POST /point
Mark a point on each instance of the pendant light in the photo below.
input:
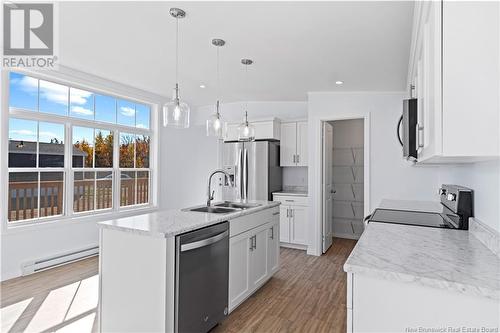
(246, 131)
(215, 126)
(176, 112)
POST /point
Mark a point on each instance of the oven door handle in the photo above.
(204, 242)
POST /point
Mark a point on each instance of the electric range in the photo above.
(456, 202)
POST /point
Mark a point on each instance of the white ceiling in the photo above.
(297, 46)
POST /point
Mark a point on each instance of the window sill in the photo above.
(75, 219)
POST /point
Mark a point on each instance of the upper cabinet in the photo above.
(454, 69)
(264, 130)
(293, 145)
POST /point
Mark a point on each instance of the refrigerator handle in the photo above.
(239, 174)
(245, 174)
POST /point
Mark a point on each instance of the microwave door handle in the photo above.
(398, 131)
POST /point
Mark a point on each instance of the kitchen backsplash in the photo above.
(295, 178)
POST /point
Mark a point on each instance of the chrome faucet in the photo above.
(210, 194)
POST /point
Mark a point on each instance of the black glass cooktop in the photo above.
(424, 219)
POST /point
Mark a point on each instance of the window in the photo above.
(74, 151)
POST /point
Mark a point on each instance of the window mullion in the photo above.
(68, 164)
(116, 170)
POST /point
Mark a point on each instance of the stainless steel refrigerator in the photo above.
(254, 168)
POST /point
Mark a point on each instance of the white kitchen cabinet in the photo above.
(288, 144)
(454, 68)
(302, 150)
(273, 248)
(284, 223)
(298, 223)
(381, 305)
(253, 257)
(293, 144)
(239, 269)
(264, 130)
(293, 220)
(258, 256)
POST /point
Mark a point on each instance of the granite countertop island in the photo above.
(169, 223)
(442, 258)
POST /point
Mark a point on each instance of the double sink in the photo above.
(225, 207)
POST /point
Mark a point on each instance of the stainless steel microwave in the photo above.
(407, 129)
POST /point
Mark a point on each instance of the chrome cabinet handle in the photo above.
(255, 242)
(298, 158)
(276, 213)
(294, 160)
(288, 212)
(251, 243)
(272, 232)
(291, 212)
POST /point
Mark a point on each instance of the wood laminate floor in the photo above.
(308, 294)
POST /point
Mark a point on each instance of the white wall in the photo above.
(390, 176)
(186, 158)
(484, 179)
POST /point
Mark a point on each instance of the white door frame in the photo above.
(366, 171)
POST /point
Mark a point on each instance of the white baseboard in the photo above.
(293, 246)
(348, 236)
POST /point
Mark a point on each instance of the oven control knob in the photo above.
(451, 197)
(442, 191)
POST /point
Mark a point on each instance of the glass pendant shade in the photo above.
(215, 125)
(176, 112)
(246, 131)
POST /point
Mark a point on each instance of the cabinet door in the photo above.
(302, 143)
(288, 144)
(258, 258)
(273, 248)
(298, 224)
(429, 115)
(284, 224)
(239, 269)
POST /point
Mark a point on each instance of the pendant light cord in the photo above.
(177, 50)
(218, 80)
(246, 88)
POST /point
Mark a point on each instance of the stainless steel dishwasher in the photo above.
(201, 278)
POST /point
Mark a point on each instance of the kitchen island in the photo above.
(137, 262)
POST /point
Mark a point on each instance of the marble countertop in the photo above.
(292, 193)
(442, 258)
(168, 223)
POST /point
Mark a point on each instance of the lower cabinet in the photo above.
(376, 304)
(293, 220)
(253, 259)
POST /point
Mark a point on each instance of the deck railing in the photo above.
(23, 196)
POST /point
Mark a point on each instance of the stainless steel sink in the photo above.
(237, 205)
(213, 210)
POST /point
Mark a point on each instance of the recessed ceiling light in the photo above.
(339, 82)
(202, 86)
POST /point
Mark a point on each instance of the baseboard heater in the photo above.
(58, 260)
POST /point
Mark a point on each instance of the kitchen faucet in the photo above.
(211, 194)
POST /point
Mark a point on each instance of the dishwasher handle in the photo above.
(204, 242)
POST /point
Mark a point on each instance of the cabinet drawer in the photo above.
(248, 222)
(292, 200)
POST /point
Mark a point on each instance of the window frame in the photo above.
(68, 171)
